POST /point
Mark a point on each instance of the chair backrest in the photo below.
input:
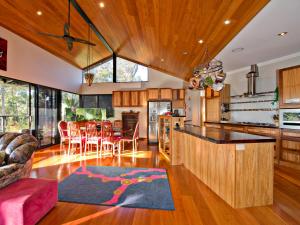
(118, 124)
(74, 129)
(136, 131)
(63, 128)
(106, 129)
(91, 129)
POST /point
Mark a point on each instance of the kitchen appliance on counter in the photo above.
(155, 109)
(289, 118)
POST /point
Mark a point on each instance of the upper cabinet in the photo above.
(153, 94)
(166, 93)
(126, 100)
(117, 98)
(143, 98)
(289, 87)
(134, 98)
(139, 98)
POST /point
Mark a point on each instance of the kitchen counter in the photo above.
(237, 166)
(221, 136)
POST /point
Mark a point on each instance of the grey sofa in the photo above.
(19, 149)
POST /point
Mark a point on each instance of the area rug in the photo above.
(116, 186)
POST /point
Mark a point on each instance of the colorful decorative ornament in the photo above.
(208, 74)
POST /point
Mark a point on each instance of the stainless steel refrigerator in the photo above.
(155, 109)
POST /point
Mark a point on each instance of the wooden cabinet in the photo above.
(143, 98)
(166, 94)
(214, 103)
(289, 87)
(213, 110)
(153, 94)
(129, 121)
(181, 94)
(210, 93)
(165, 130)
(134, 98)
(117, 98)
(126, 98)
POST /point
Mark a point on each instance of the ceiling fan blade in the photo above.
(69, 44)
(50, 35)
(66, 29)
(83, 41)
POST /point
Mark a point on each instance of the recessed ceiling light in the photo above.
(282, 34)
(185, 53)
(39, 13)
(226, 22)
(200, 41)
(101, 4)
(237, 50)
(162, 60)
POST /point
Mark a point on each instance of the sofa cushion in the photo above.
(21, 148)
(9, 169)
(6, 139)
(2, 157)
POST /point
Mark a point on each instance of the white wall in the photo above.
(193, 107)
(265, 82)
(31, 63)
(156, 80)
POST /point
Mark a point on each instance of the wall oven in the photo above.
(289, 118)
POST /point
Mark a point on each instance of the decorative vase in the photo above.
(89, 78)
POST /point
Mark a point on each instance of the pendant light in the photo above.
(89, 76)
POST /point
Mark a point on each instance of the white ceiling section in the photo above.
(259, 38)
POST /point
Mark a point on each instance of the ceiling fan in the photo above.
(67, 37)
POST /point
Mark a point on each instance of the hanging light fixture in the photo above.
(208, 74)
(89, 76)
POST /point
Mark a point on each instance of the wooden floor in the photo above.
(194, 202)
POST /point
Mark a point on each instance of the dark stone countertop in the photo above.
(245, 124)
(221, 136)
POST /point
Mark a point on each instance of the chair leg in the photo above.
(97, 149)
(101, 149)
(69, 149)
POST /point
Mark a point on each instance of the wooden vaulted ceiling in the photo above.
(145, 31)
(20, 17)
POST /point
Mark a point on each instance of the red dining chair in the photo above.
(93, 137)
(63, 132)
(108, 139)
(75, 136)
(132, 139)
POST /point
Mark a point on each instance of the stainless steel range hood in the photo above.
(251, 79)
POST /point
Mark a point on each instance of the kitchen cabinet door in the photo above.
(134, 98)
(153, 94)
(166, 93)
(143, 98)
(117, 98)
(289, 87)
(181, 94)
(125, 98)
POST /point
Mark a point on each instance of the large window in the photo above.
(128, 71)
(69, 101)
(98, 101)
(103, 72)
(14, 106)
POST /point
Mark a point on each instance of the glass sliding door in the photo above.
(47, 116)
(15, 114)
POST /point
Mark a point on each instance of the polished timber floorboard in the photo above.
(195, 203)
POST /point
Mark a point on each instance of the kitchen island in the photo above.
(238, 167)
